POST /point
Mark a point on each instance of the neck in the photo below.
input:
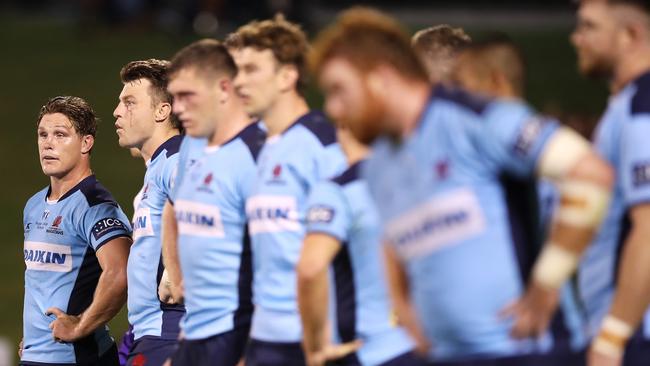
(287, 109)
(152, 144)
(59, 186)
(629, 68)
(354, 151)
(235, 120)
(408, 102)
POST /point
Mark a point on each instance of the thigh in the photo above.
(109, 358)
(151, 352)
(637, 353)
(261, 353)
(224, 349)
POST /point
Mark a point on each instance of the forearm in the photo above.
(109, 297)
(170, 245)
(632, 295)
(312, 301)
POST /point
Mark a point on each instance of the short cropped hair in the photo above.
(368, 38)
(156, 72)
(438, 39)
(640, 4)
(206, 55)
(78, 111)
(498, 52)
(286, 40)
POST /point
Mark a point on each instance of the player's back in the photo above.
(342, 208)
(455, 223)
(289, 165)
(61, 241)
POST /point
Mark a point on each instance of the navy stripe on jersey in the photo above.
(172, 313)
(317, 123)
(641, 100)
(350, 175)
(172, 145)
(244, 311)
(94, 191)
(345, 295)
(85, 349)
(254, 137)
(473, 102)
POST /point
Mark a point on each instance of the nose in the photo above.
(117, 113)
(332, 108)
(575, 38)
(177, 106)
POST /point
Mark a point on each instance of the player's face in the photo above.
(60, 147)
(135, 114)
(196, 101)
(258, 79)
(349, 100)
(595, 39)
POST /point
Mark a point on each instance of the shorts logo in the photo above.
(641, 174)
(106, 226)
(198, 219)
(441, 222)
(47, 257)
(142, 225)
(320, 214)
(528, 135)
(272, 214)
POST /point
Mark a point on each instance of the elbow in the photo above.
(595, 169)
(308, 273)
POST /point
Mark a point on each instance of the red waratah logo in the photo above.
(57, 221)
(207, 180)
(139, 360)
(277, 171)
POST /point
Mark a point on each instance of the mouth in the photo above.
(49, 158)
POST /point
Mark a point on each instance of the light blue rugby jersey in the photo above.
(61, 241)
(213, 243)
(148, 315)
(450, 197)
(343, 209)
(289, 166)
(621, 138)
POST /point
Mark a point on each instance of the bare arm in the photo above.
(399, 290)
(108, 299)
(172, 284)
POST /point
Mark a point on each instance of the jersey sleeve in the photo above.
(634, 170)
(103, 223)
(512, 136)
(331, 162)
(168, 176)
(328, 211)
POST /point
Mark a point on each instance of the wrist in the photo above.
(613, 336)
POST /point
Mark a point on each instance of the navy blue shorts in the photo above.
(225, 349)
(406, 359)
(637, 353)
(563, 359)
(151, 351)
(260, 353)
(109, 358)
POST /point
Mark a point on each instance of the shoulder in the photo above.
(640, 102)
(319, 126)
(169, 147)
(95, 193)
(461, 99)
(36, 199)
(351, 174)
(253, 137)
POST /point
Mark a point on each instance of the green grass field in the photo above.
(42, 58)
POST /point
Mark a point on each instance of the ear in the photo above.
(289, 76)
(375, 82)
(87, 143)
(163, 111)
(225, 87)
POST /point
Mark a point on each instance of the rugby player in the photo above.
(144, 121)
(343, 232)
(209, 202)
(612, 39)
(438, 46)
(460, 277)
(300, 150)
(76, 247)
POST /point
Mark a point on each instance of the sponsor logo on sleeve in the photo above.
(320, 214)
(272, 214)
(528, 134)
(641, 174)
(47, 257)
(441, 222)
(198, 219)
(106, 226)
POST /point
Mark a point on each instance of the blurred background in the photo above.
(78, 47)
